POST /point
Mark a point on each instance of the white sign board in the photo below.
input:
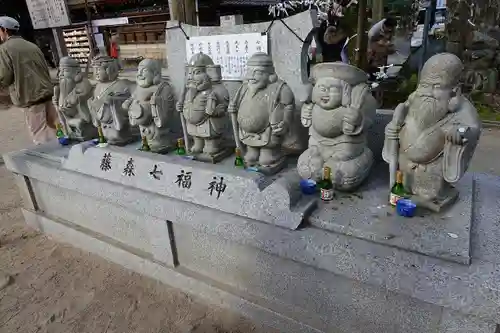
(231, 52)
(110, 22)
(48, 13)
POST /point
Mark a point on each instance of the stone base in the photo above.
(449, 198)
(270, 169)
(359, 268)
(214, 158)
(367, 214)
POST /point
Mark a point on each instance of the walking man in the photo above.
(24, 71)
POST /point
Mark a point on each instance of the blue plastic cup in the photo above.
(406, 208)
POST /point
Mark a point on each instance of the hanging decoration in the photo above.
(337, 7)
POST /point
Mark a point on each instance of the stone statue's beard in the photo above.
(255, 87)
(427, 111)
(66, 86)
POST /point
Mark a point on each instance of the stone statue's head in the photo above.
(105, 68)
(260, 71)
(148, 73)
(438, 84)
(333, 83)
(197, 74)
(69, 69)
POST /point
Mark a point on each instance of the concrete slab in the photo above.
(366, 214)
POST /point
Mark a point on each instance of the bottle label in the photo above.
(394, 199)
(327, 195)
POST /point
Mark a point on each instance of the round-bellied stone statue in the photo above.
(433, 135)
(203, 108)
(70, 99)
(338, 113)
(109, 94)
(262, 114)
(152, 106)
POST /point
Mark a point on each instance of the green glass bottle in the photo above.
(145, 144)
(101, 138)
(398, 190)
(326, 185)
(238, 160)
(181, 149)
(59, 131)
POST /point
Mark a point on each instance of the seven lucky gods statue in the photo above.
(152, 106)
(203, 108)
(70, 99)
(338, 112)
(106, 104)
(433, 135)
(262, 114)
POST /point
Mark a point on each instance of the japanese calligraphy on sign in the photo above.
(129, 168)
(231, 52)
(48, 13)
(106, 162)
(217, 186)
(184, 180)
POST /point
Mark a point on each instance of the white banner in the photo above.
(48, 13)
(231, 52)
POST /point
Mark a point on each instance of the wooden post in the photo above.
(377, 11)
(183, 11)
(361, 40)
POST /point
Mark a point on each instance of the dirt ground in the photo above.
(54, 288)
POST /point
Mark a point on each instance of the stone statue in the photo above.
(70, 99)
(262, 114)
(151, 106)
(203, 108)
(339, 111)
(106, 104)
(433, 135)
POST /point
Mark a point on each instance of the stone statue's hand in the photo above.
(126, 105)
(306, 115)
(455, 103)
(71, 100)
(353, 118)
(179, 106)
(279, 128)
(456, 135)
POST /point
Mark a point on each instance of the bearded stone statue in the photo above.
(107, 102)
(151, 106)
(70, 99)
(203, 109)
(338, 113)
(262, 113)
(433, 135)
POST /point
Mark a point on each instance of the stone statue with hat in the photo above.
(203, 108)
(70, 99)
(338, 113)
(109, 94)
(433, 135)
(152, 106)
(262, 114)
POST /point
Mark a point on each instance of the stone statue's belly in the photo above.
(194, 112)
(421, 147)
(253, 115)
(327, 123)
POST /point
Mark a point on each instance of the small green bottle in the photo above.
(326, 185)
(398, 190)
(238, 161)
(145, 145)
(181, 149)
(59, 132)
(101, 138)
